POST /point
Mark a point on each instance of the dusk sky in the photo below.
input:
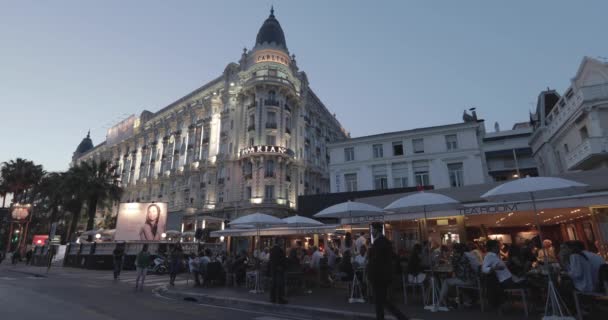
(69, 66)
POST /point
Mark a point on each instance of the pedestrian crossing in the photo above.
(126, 277)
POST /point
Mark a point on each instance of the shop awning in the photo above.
(279, 231)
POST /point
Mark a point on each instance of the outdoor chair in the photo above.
(522, 292)
(412, 281)
(593, 295)
(476, 287)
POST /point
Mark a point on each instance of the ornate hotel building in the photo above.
(253, 139)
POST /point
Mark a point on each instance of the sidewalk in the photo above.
(330, 303)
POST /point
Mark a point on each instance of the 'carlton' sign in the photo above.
(266, 150)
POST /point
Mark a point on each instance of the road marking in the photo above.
(8, 278)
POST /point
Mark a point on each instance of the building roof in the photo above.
(415, 131)
(85, 145)
(271, 32)
(472, 194)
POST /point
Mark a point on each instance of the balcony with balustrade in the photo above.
(591, 151)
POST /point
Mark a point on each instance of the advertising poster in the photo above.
(141, 221)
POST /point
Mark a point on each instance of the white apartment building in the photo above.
(571, 130)
(442, 156)
(507, 153)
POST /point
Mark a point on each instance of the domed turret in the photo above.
(271, 32)
(85, 145)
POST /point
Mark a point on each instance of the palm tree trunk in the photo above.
(91, 210)
(74, 223)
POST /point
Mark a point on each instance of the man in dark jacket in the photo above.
(379, 272)
(276, 267)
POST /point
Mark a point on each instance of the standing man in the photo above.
(118, 255)
(379, 272)
(361, 241)
(142, 261)
(276, 268)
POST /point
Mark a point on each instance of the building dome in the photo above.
(271, 32)
(85, 145)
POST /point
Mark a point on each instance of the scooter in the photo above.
(159, 265)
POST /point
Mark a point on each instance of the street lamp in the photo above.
(163, 235)
(98, 236)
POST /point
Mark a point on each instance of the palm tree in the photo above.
(101, 187)
(3, 191)
(50, 193)
(20, 176)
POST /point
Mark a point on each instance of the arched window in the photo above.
(271, 95)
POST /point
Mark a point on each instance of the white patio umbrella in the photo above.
(423, 202)
(350, 209)
(299, 221)
(258, 220)
(532, 188)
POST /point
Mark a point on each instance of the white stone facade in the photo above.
(442, 156)
(571, 131)
(253, 139)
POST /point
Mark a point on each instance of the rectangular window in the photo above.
(220, 197)
(421, 172)
(378, 151)
(271, 120)
(269, 192)
(397, 148)
(271, 140)
(349, 154)
(418, 145)
(269, 168)
(399, 171)
(350, 181)
(248, 193)
(566, 148)
(451, 142)
(380, 177)
(251, 142)
(455, 172)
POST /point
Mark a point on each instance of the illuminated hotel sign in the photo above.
(268, 55)
(266, 150)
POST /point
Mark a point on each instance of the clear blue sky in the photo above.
(67, 66)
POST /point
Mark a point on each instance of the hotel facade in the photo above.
(253, 139)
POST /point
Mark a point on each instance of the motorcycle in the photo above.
(159, 265)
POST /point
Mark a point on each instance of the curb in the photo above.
(40, 275)
(313, 312)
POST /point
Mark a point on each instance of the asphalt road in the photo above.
(95, 296)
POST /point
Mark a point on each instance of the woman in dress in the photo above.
(149, 231)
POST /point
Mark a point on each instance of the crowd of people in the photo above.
(500, 266)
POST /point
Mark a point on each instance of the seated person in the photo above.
(463, 272)
(493, 264)
(414, 265)
(360, 259)
(515, 262)
(584, 267)
(345, 268)
(549, 250)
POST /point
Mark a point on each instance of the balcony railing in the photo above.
(271, 125)
(288, 108)
(576, 158)
(269, 102)
(288, 130)
(251, 128)
(248, 176)
(251, 106)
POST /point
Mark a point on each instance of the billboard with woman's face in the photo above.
(141, 221)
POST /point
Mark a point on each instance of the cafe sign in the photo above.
(499, 208)
(264, 149)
